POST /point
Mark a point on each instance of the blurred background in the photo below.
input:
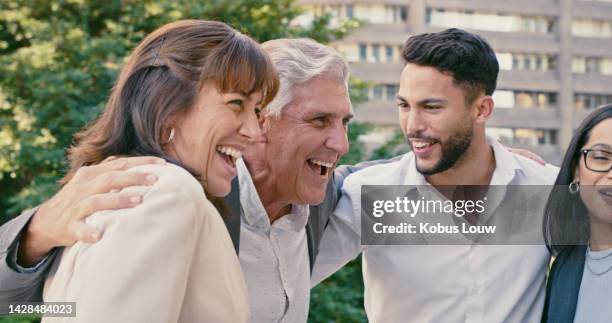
(59, 59)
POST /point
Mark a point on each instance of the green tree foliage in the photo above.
(340, 297)
(395, 146)
(357, 91)
(20, 319)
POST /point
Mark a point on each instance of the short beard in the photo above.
(452, 150)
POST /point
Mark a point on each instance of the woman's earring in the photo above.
(171, 136)
(574, 187)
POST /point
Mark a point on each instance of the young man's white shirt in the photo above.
(439, 283)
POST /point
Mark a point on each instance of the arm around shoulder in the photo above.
(341, 241)
(138, 271)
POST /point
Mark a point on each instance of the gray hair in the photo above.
(298, 61)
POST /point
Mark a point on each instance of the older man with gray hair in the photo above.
(275, 232)
(290, 168)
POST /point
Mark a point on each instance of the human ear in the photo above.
(576, 176)
(262, 119)
(484, 108)
(264, 125)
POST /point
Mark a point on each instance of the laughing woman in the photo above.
(578, 227)
(189, 93)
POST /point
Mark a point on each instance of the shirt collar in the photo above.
(253, 211)
(506, 165)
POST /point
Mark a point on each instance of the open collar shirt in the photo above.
(439, 283)
(273, 257)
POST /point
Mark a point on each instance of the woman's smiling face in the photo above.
(214, 132)
(596, 179)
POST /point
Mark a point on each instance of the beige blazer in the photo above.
(169, 259)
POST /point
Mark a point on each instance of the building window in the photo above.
(363, 52)
(527, 62)
(525, 136)
(528, 99)
(404, 13)
(592, 65)
(389, 52)
(538, 63)
(519, 62)
(551, 61)
(532, 62)
(515, 63)
(503, 99)
(349, 11)
(391, 92)
(547, 99)
(384, 92)
(584, 101)
(504, 60)
(606, 66)
(535, 137)
(376, 52)
(592, 28)
(489, 21)
(505, 135)
(377, 93)
(400, 13)
(336, 9)
(579, 65)
(524, 99)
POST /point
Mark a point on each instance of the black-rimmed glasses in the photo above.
(597, 160)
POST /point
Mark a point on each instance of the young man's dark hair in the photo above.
(466, 56)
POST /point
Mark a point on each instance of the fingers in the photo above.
(111, 175)
(107, 201)
(536, 158)
(109, 158)
(531, 155)
(117, 180)
(85, 233)
(112, 163)
(123, 163)
(88, 192)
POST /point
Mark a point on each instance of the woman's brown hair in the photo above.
(161, 80)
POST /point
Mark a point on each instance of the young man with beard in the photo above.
(444, 101)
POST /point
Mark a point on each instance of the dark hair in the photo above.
(565, 217)
(467, 57)
(161, 80)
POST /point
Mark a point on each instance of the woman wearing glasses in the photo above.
(578, 227)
